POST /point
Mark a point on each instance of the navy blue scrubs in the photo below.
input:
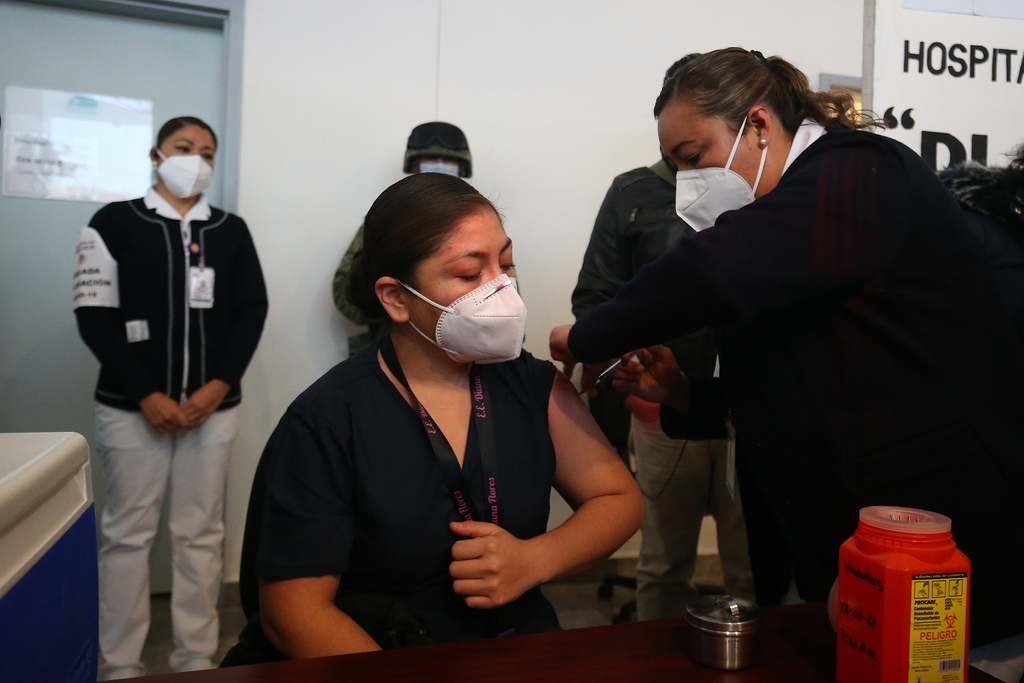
(353, 487)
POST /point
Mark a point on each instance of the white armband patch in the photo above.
(95, 272)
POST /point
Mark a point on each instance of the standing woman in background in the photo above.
(865, 357)
(169, 296)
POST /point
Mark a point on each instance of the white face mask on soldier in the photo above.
(486, 325)
(440, 166)
(185, 175)
(704, 194)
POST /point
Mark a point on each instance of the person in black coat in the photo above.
(993, 203)
(865, 359)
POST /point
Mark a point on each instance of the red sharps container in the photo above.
(903, 600)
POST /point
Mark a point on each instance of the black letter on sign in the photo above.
(979, 149)
(977, 50)
(908, 55)
(957, 60)
(930, 141)
(1009, 54)
(890, 120)
(942, 64)
(1020, 74)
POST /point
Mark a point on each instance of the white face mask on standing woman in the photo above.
(486, 325)
(185, 175)
(704, 194)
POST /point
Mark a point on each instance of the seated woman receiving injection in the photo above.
(420, 469)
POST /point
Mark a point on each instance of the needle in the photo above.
(607, 373)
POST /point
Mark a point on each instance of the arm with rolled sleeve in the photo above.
(307, 534)
(249, 304)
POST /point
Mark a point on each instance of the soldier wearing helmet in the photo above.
(434, 147)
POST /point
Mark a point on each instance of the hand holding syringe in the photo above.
(606, 375)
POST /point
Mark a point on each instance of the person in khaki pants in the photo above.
(681, 481)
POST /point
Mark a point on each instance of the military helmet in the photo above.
(438, 139)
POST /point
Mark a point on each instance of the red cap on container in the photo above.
(905, 519)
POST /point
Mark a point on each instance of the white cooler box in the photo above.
(49, 602)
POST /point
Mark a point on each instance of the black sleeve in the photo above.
(709, 409)
(606, 264)
(830, 227)
(249, 303)
(102, 328)
(542, 381)
(308, 516)
(103, 332)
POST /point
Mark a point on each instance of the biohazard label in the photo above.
(938, 628)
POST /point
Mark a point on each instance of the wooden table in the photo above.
(797, 646)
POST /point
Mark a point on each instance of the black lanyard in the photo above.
(450, 468)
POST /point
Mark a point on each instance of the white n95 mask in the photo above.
(485, 326)
(704, 194)
(185, 175)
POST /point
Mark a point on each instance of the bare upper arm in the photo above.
(587, 465)
(286, 602)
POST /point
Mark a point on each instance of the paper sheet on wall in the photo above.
(75, 146)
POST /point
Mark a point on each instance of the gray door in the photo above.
(47, 375)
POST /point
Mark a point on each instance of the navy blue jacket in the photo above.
(151, 280)
(865, 359)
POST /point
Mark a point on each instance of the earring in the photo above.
(763, 143)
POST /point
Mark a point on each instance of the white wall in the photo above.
(554, 96)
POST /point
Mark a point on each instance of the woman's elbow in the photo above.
(285, 616)
(275, 628)
(633, 507)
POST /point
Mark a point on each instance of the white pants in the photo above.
(681, 482)
(137, 463)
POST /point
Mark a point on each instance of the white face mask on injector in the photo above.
(704, 194)
(185, 175)
(485, 326)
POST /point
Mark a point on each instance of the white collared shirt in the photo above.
(809, 131)
(199, 212)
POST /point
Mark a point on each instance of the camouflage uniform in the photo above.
(434, 135)
(376, 327)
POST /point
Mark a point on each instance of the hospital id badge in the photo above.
(200, 287)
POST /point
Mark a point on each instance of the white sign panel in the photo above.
(950, 84)
(74, 146)
(1008, 9)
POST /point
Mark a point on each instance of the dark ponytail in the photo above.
(727, 83)
(409, 222)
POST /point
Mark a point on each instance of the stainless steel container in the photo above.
(723, 631)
